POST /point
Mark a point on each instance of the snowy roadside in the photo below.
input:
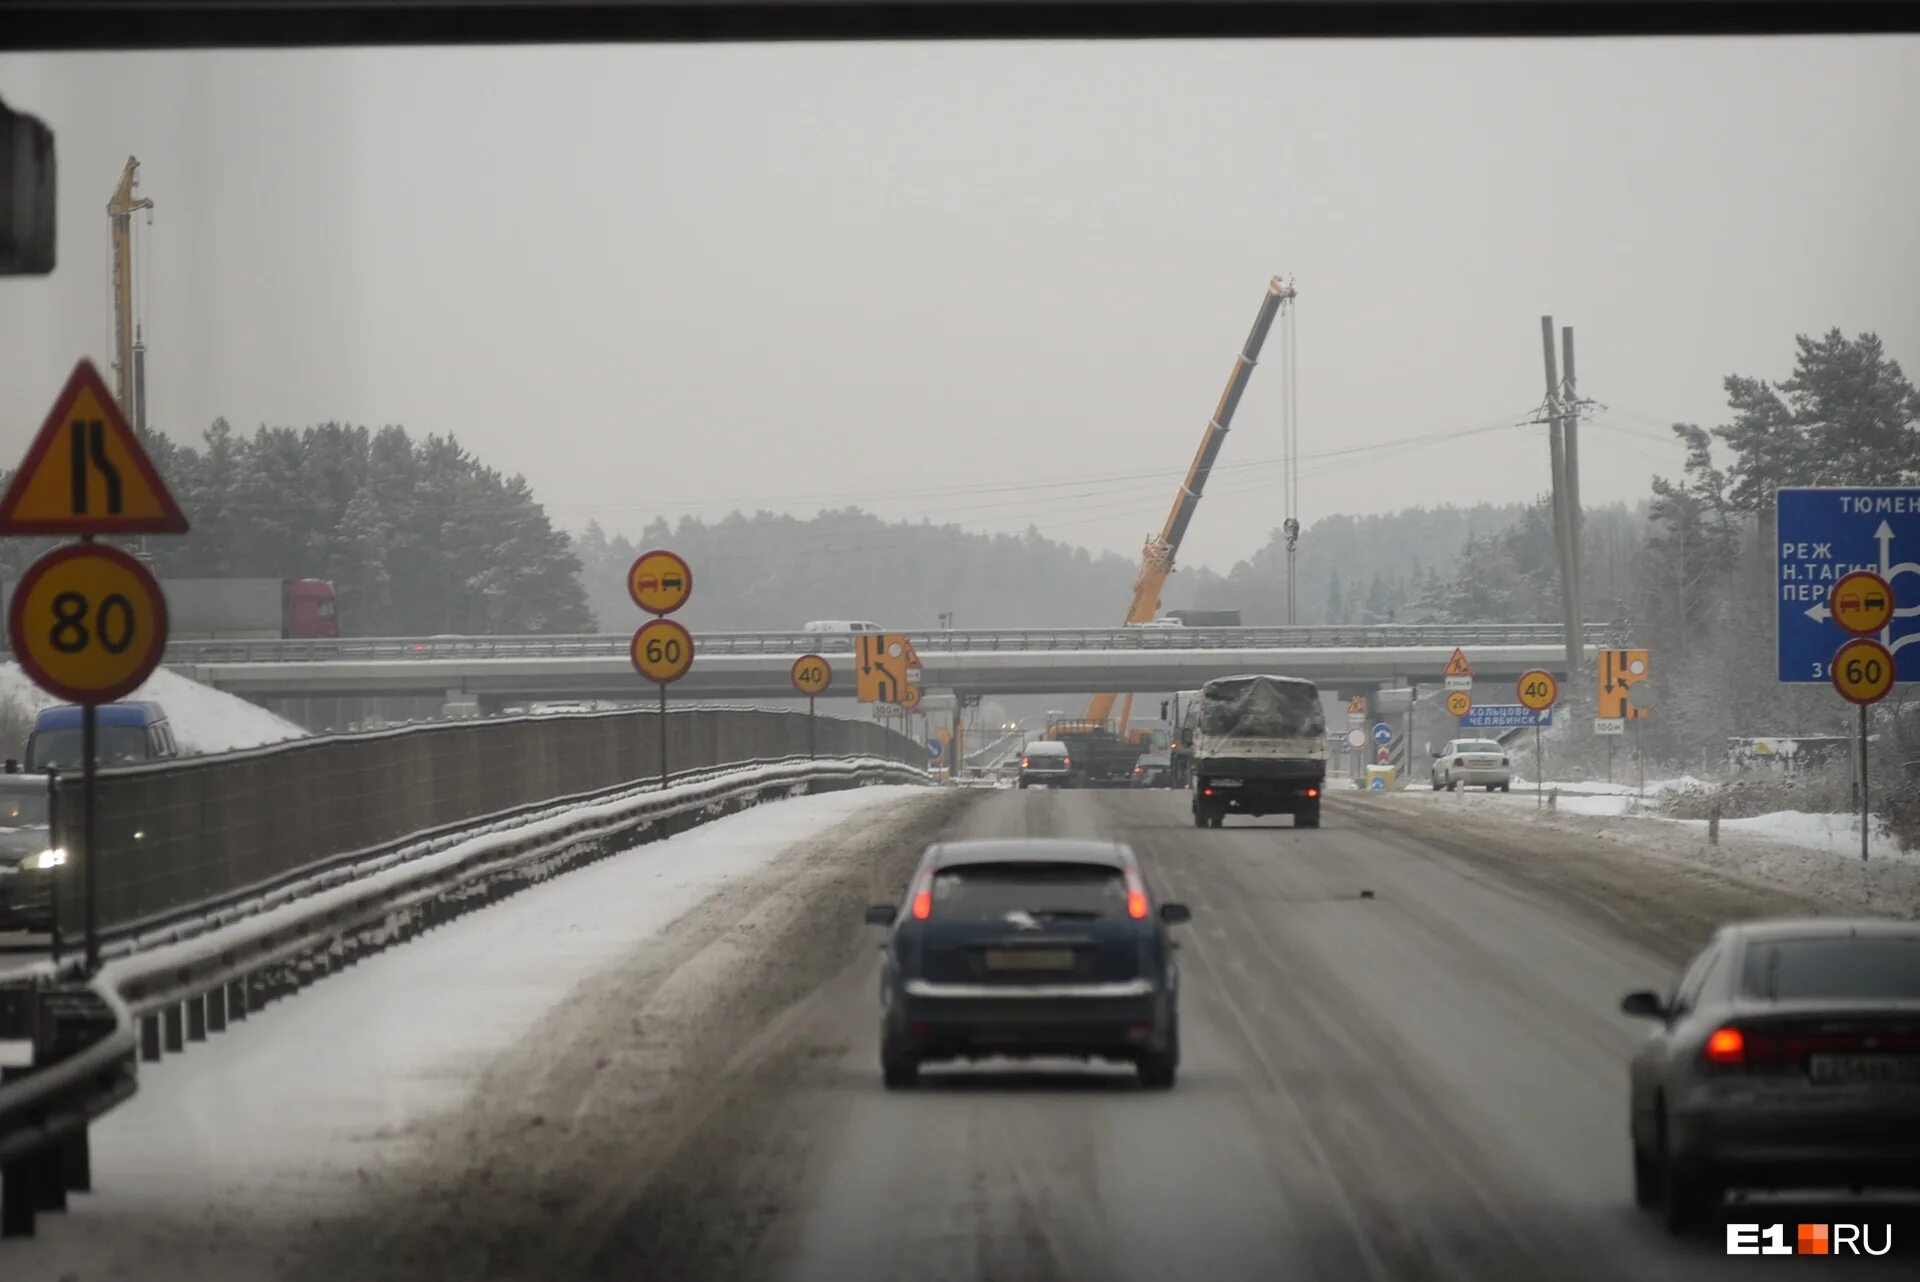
(203, 719)
(1815, 854)
(282, 1118)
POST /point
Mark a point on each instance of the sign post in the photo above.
(88, 623)
(1863, 672)
(811, 677)
(660, 583)
(1537, 690)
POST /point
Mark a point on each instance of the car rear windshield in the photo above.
(1477, 745)
(1842, 969)
(1047, 750)
(1040, 891)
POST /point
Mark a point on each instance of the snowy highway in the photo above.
(665, 1065)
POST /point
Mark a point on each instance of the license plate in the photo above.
(1864, 1068)
(1029, 959)
(1226, 783)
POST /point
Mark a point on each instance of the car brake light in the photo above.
(1136, 896)
(1206, 792)
(1726, 1046)
(1025, 761)
(1459, 761)
(1313, 792)
(1066, 761)
(923, 897)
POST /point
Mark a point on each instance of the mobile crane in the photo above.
(1156, 562)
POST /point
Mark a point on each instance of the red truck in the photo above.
(250, 609)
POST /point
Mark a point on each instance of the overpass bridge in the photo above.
(501, 671)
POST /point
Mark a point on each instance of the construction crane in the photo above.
(120, 211)
(1156, 562)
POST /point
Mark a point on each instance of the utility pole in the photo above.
(1577, 520)
(1554, 413)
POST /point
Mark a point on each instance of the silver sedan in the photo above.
(1787, 1057)
(1474, 762)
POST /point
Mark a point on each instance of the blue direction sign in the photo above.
(1825, 534)
(1382, 733)
(1377, 784)
(1504, 716)
(935, 748)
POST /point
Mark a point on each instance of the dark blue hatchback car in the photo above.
(1029, 947)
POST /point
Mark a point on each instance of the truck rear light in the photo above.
(1313, 792)
(1024, 762)
(1206, 792)
(1726, 1046)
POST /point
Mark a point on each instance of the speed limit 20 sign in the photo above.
(88, 623)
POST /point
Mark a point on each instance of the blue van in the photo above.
(128, 733)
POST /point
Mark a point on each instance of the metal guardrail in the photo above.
(206, 974)
(605, 645)
(183, 838)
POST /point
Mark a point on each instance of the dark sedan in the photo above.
(27, 858)
(1787, 1056)
(1029, 947)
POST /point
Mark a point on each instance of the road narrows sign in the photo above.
(662, 651)
(88, 623)
(1861, 603)
(811, 675)
(1537, 689)
(1863, 671)
(659, 581)
(87, 473)
(1459, 703)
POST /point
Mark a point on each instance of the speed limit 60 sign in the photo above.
(662, 651)
(88, 623)
(1863, 671)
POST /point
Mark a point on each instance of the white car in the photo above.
(1473, 762)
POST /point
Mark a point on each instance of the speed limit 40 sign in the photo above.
(88, 623)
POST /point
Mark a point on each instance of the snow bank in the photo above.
(1813, 853)
(203, 719)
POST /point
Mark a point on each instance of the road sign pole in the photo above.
(1640, 758)
(1865, 809)
(813, 751)
(1539, 766)
(663, 735)
(89, 870)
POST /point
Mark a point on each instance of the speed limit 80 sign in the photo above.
(88, 623)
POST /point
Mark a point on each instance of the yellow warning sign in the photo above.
(885, 664)
(87, 473)
(1618, 670)
(1357, 705)
(1457, 666)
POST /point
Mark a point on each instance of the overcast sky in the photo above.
(683, 279)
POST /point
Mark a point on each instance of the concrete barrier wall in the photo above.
(179, 835)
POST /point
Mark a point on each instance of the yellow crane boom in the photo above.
(120, 211)
(1156, 560)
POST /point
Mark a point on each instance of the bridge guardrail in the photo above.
(1011, 639)
(189, 984)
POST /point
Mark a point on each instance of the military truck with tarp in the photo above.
(1259, 747)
